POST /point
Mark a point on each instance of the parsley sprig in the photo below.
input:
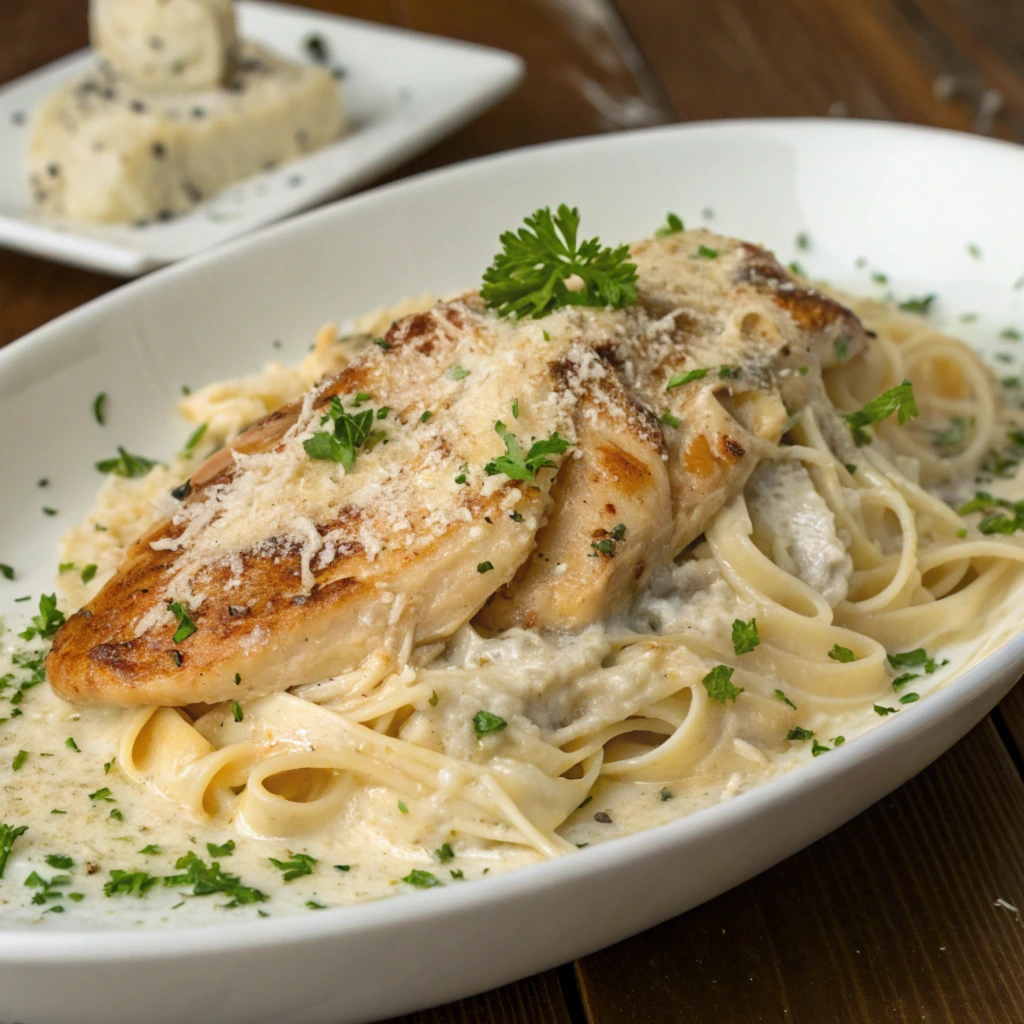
(527, 278)
(47, 622)
(519, 467)
(8, 835)
(899, 400)
(1002, 516)
(126, 464)
(351, 432)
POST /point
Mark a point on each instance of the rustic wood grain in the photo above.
(870, 58)
(1010, 719)
(892, 918)
(537, 1000)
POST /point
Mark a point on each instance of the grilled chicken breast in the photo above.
(293, 567)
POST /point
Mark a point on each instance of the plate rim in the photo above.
(89, 947)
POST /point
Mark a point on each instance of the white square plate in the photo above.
(403, 91)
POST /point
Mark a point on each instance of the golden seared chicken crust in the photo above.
(294, 569)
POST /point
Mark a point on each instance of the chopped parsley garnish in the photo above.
(194, 438)
(515, 408)
(116, 815)
(403, 806)
(6, 571)
(485, 723)
(517, 467)
(236, 711)
(953, 437)
(803, 241)
(300, 864)
(224, 850)
(718, 683)
(672, 226)
(351, 432)
(445, 853)
(99, 408)
(795, 268)
(528, 277)
(71, 744)
(744, 636)
(458, 372)
(126, 464)
(47, 622)
(921, 304)
(425, 415)
(19, 759)
(843, 654)
(129, 883)
(186, 627)
(457, 873)
(906, 659)
(785, 699)
(102, 794)
(798, 734)
(8, 835)
(89, 572)
(342, 867)
(152, 850)
(899, 400)
(60, 861)
(421, 879)
(670, 419)
(483, 567)
(381, 343)
(883, 711)
(433, 699)
(315, 905)
(209, 879)
(684, 378)
(707, 253)
(47, 511)
(974, 249)
(819, 748)
(49, 889)
(910, 698)
(1002, 516)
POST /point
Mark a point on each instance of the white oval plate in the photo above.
(403, 91)
(908, 199)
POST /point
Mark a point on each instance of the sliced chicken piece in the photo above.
(656, 463)
(293, 570)
(612, 512)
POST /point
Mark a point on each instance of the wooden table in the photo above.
(893, 917)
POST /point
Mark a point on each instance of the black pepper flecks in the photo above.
(177, 658)
(18, 118)
(182, 491)
(316, 47)
(159, 150)
(604, 817)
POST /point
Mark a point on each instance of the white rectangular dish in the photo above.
(403, 91)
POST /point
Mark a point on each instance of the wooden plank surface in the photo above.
(536, 1000)
(893, 917)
